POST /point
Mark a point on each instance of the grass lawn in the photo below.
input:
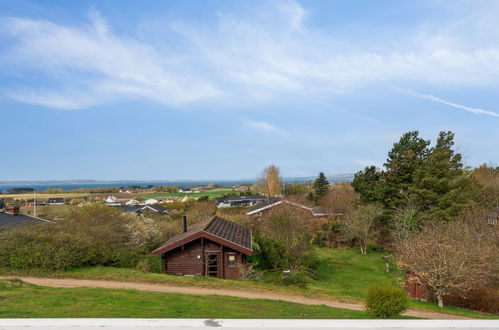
(343, 274)
(212, 193)
(50, 212)
(18, 300)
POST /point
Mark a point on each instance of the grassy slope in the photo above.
(343, 275)
(22, 300)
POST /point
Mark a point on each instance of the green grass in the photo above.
(19, 300)
(212, 193)
(343, 274)
(50, 212)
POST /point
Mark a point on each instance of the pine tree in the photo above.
(441, 184)
(404, 159)
(368, 185)
(321, 186)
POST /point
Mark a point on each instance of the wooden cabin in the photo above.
(212, 247)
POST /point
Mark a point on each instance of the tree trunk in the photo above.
(440, 300)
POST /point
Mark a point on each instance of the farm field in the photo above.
(21, 300)
(212, 193)
(344, 275)
(46, 196)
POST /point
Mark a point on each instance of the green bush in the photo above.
(92, 235)
(386, 301)
(300, 278)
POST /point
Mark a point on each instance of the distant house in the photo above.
(275, 201)
(56, 201)
(240, 201)
(185, 190)
(11, 217)
(123, 191)
(132, 202)
(151, 201)
(212, 247)
(140, 209)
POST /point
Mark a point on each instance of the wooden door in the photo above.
(213, 264)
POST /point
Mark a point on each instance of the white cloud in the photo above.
(476, 111)
(260, 56)
(262, 126)
(90, 65)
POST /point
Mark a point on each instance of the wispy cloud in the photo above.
(262, 126)
(90, 65)
(476, 111)
(262, 55)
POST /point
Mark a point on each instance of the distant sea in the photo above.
(77, 184)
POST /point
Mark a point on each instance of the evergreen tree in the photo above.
(368, 185)
(441, 185)
(321, 186)
(404, 159)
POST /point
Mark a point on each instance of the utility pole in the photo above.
(34, 202)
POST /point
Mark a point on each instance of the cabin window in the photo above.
(231, 260)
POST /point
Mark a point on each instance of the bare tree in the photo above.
(453, 256)
(359, 223)
(270, 180)
(340, 199)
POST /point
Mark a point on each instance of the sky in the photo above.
(170, 90)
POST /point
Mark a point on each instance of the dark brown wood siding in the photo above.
(232, 272)
(415, 289)
(184, 259)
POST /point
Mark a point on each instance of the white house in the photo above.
(132, 202)
(111, 200)
(151, 201)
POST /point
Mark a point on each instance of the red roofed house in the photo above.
(212, 247)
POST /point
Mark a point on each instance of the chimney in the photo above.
(12, 209)
(184, 223)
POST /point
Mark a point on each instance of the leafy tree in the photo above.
(367, 184)
(320, 187)
(441, 185)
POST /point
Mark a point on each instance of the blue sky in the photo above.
(219, 89)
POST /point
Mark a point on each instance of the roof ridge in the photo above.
(208, 223)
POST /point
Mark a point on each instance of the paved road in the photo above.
(74, 283)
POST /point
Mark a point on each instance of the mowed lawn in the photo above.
(343, 274)
(212, 193)
(347, 273)
(20, 300)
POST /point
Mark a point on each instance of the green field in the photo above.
(343, 274)
(19, 300)
(50, 212)
(212, 193)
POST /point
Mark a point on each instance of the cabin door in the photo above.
(212, 264)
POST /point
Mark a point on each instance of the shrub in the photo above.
(299, 277)
(143, 266)
(478, 299)
(93, 235)
(283, 239)
(385, 301)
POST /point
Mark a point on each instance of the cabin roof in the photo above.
(222, 231)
